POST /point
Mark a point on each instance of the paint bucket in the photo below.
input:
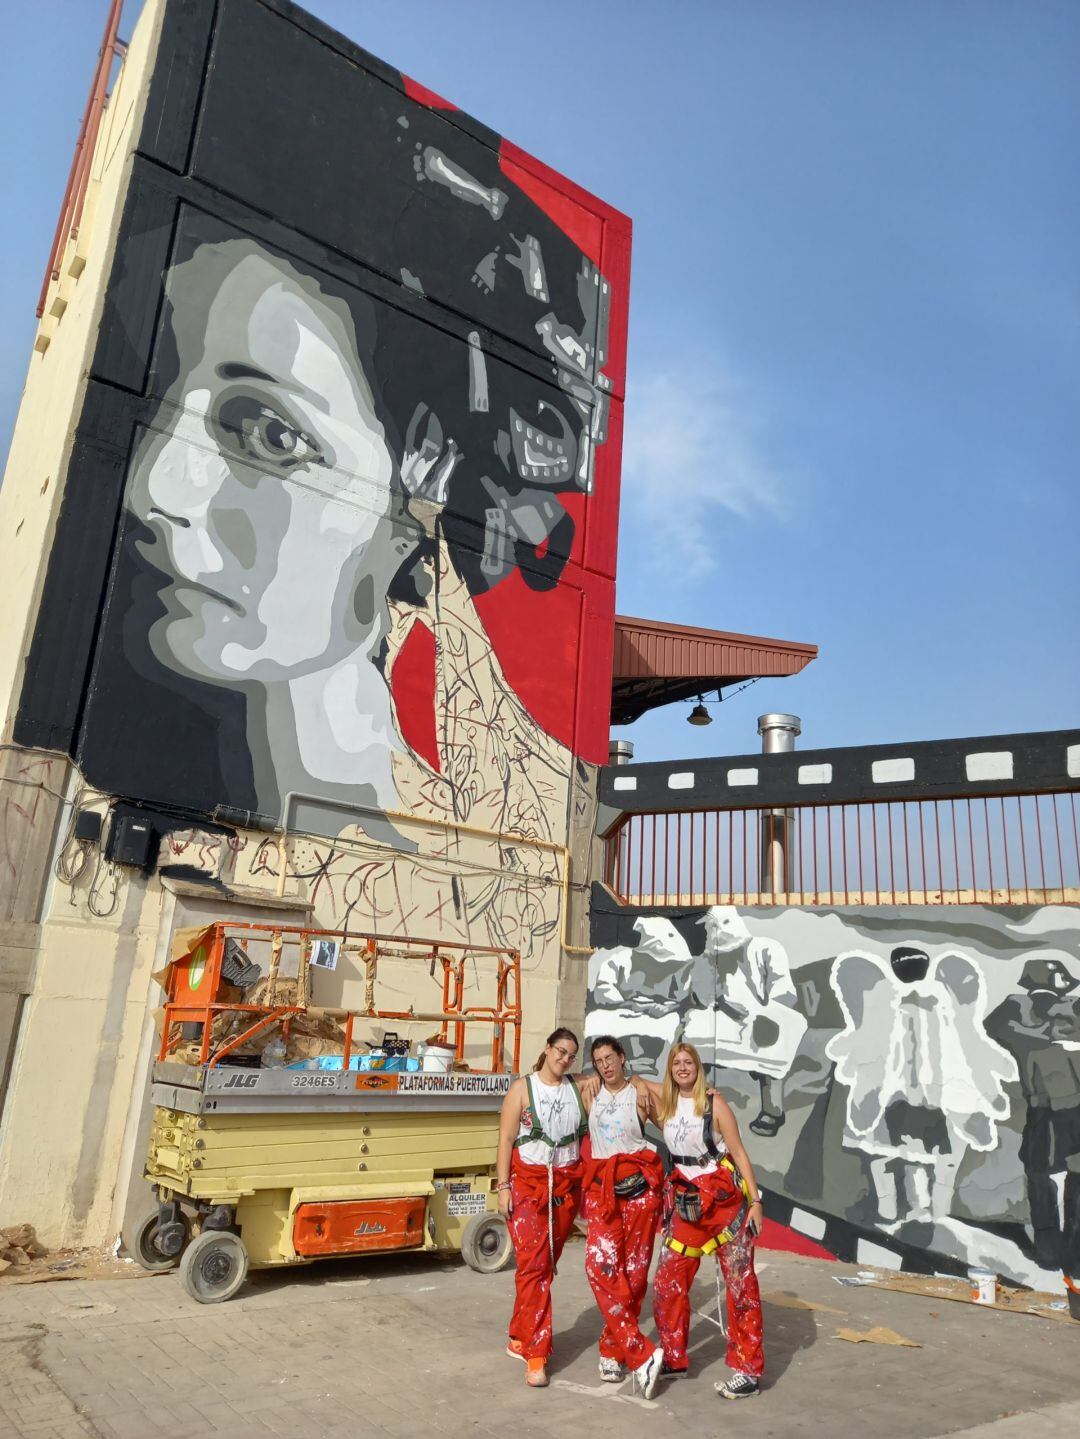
(436, 1058)
(983, 1286)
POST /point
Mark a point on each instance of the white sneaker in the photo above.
(611, 1370)
(646, 1375)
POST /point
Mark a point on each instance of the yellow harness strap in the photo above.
(693, 1251)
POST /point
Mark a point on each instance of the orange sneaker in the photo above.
(516, 1349)
(536, 1373)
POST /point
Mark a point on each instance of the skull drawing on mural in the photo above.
(924, 1081)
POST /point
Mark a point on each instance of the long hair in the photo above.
(553, 1038)
(669, 1093)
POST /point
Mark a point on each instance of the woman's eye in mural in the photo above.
(250, 428)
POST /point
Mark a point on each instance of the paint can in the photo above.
(983, 1286)
(436, 1058)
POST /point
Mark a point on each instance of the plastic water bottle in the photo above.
(273, 1056)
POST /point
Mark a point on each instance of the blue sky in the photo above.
(855, 318)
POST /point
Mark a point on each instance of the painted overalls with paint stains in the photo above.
(621, 1200)
(545, 1187)
(713, 1223)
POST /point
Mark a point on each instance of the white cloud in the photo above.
(690, 451)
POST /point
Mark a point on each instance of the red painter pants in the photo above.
(619, 1250)
(530, 1323)
(721, 1201)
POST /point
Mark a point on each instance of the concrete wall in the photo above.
(329, 550)
(907, 1079)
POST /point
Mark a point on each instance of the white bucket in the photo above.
(983, 1286)
(437, 1058)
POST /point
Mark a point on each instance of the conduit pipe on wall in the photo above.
(458, 826)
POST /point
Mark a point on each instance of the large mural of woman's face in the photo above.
(268, 489)
(267, 501)
(343, 443)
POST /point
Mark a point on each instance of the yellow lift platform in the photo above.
(286, 1131)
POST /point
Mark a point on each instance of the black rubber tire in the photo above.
(214, 1266)
(485, 1243)
(138, 1241)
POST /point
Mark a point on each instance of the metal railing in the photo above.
(199, 997)
(1002, 849)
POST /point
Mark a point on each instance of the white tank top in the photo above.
(558, 1111)
(684, 1133)
(614, 1126)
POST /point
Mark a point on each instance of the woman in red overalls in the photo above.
(621, 1200)
(539, 1186)
(715, 1208)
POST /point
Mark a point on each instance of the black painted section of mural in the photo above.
(440, 356)
(907, 1079)
(1039, 763)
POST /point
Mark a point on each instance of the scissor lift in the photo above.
(266, 1166)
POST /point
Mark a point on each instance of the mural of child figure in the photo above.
(641, 994)
(754, 1025)
(925, 1083)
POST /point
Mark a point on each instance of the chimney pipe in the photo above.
(778, 734)
(620, 751)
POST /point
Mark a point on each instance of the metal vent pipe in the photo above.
(778, 734)
(620, 751)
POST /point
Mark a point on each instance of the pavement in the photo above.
(413, 1345)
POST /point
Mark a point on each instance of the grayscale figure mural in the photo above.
(911, 1077)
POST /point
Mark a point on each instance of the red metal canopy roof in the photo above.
(656, 663)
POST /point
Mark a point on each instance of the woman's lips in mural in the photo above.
(179, 585)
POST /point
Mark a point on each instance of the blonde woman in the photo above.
(714, 1205)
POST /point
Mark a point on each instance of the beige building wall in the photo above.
(56, 980)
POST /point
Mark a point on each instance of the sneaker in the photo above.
(739, 1386)
(611, 1370)
(671, 1371)
(516, 1349)
(536, 1373)
(646, 1375)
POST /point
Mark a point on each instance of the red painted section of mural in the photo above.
(780, 1236)
(412, 683)
(423, 96)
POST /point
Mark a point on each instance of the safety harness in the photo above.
(538, 1135)
(728, 1233)
(687, 1197)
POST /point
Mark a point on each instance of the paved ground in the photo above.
(405, 1347)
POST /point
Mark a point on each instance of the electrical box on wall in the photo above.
(88, 826)
(133, 840)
